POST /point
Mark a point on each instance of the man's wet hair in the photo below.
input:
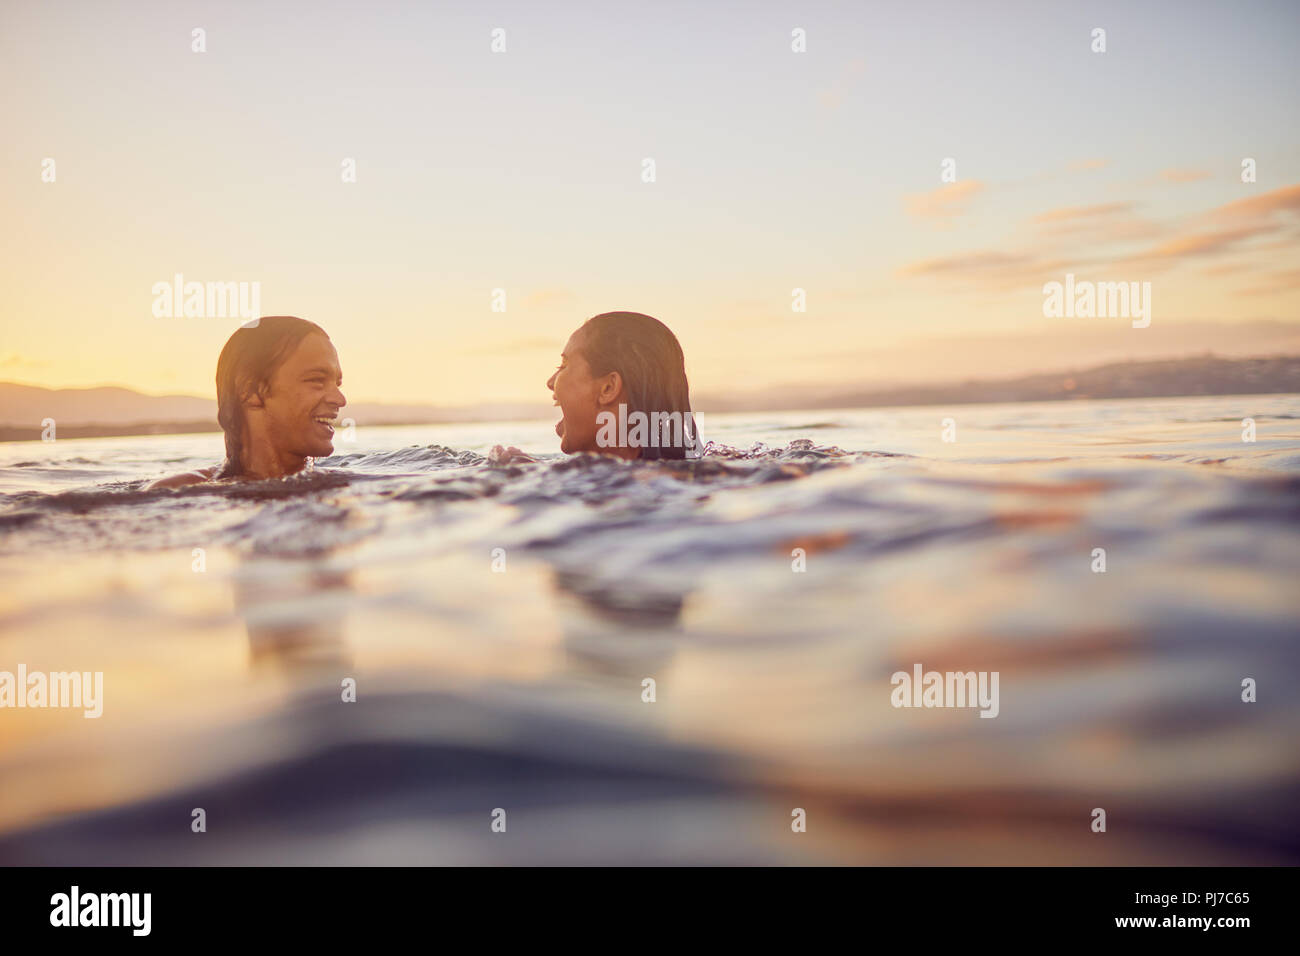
(247, 362)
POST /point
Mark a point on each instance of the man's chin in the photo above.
(318, 449)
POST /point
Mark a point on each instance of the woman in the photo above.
(621, 388)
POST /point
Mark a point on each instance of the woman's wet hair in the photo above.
(247, 362)
(649, 358)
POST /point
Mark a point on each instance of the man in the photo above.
(278, 398)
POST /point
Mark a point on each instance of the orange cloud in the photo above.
(1079, 236)
(1086, 164)
(945, 202)
(1283, 281)
(1184, 175)
(1203, 243)
(1084, 212)
(994, 271)
(1286, 198)
(1097, 224)
(1223, 229)
(975, 262)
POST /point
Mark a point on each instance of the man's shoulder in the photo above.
(188, 478)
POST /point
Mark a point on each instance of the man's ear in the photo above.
(252, 399)
(608, 388)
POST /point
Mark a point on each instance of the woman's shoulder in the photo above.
(188, 478)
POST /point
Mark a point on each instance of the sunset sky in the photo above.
(522, 170)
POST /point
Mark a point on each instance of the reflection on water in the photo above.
(626, 631)
(295, 613)
(518, 683)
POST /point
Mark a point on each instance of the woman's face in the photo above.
(579, 397)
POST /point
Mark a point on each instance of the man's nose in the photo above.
(341, 400)
(550, 382)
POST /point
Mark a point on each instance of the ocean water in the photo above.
(500, 624)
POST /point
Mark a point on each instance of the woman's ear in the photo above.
(252, 399)
(609, 388)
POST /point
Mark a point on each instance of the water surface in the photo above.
(499, 623)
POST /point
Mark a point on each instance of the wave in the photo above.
(128, 515)
(663, 518)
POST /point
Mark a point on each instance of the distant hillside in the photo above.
(1203, 375)
(109, 410)
(94, 412)
(28, 405)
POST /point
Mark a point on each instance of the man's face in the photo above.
(577, 395)
(303, 399)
